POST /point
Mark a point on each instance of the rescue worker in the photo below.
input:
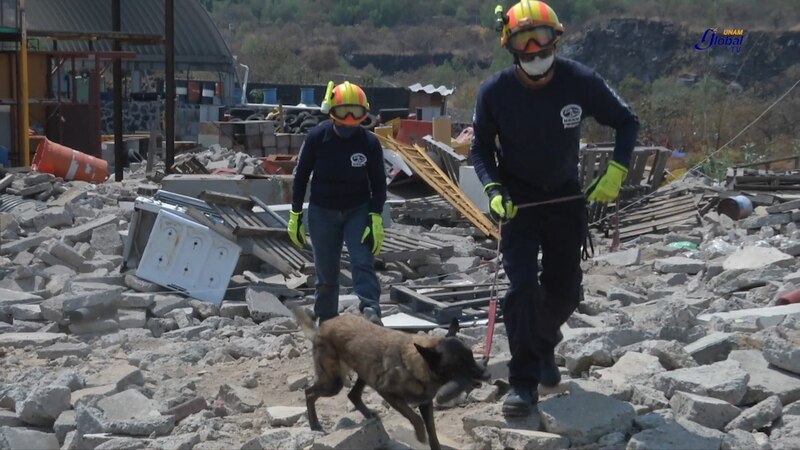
(534, 110)
(348, 191)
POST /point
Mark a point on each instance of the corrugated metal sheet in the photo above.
(197, 40)
(429, 89)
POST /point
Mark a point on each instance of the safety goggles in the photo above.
(533, 39)
(341, 112)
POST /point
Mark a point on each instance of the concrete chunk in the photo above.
(285, 416)
(109, 298)
(21, 340)
(707, 411)
(766, 380)
(370, 434)
(630, 368)
(759, 416)
(752, 258)
(492, 416)
(585, 417)
(43, 405)
(61, 349)
(679, 264)
(27, 439)
(282, 438)
(624, 258)
(106, 240)
(120, 376)
(766, 317)
(127, 405)
(264, 305)
(519, 438)
(9, 298)
(676, 436)
(238, 398)
(166, 303)
(770, 220)
(723, 380)
(784, 351)
(712, 348)
(82, 233)
(739, 440)
(64, 424)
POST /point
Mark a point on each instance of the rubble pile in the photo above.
(689, 339)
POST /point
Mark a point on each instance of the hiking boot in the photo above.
(549, 375)
(520, 401)
(370, 314)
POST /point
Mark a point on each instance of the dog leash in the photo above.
(487, 349)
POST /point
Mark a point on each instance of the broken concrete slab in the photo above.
(783, 351)
(676, 436)
(724, 380)
(585, 417)
(740, 440)
(25, 312)
(519, 438)
(283, 438)
(264, 305)
(91, 420)
(492, 416)
(770, 220)
(649, 397)
(26, 439)
(106, 240)
(370, 434)
(163, 304)
(43, 405)
(671, 354)
(120, 376)
(239, 399)
(766, 380)
(9, 298)
(767, 317)
(630, 368)
(64, 424)
(599, 386)
(107, 298)
(131, 318)
(623, 258)
(21, 340)
(752, 258)
(137, 300)
(759, 416)
(128, 404)
(53, 217)
(711, 348)
(284, 416)
(83, 233)
(707, 411)
(679, 264)
(83, 395)
(93, 327)
(23, 244)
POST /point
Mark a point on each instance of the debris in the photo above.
(585, 417)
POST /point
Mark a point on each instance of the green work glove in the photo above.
(374, 232)
(606, 188)
(501, 207)
(297, 232)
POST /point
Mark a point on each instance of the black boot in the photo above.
(520, 401)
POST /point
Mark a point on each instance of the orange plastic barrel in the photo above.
(68, 164)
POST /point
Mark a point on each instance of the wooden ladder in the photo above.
(423, 165)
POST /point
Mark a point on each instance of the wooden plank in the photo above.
(662, 222)
(224, 199)
(658, 169)
(636, 170)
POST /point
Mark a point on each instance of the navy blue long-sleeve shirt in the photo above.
(347, 172)
(539, 130)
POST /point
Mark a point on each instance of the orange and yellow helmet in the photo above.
(347, 104)
(529, 27)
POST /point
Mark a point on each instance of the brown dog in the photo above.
(403, 368)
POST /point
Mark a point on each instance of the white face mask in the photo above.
(537, 66)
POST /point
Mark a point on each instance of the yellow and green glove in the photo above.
(373, 234)
(297, 232)
(501, 207)
(605, 189)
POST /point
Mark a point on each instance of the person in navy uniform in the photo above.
(348, 191)
(533, 110)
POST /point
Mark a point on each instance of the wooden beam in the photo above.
(132, 38)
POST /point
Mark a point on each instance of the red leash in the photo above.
(487, 349)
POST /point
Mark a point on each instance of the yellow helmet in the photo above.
(347, 104)
(529, 27)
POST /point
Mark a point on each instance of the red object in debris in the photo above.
(412, 131)
(224, 171)
(787, 299)
(68, 164)
(280, 164)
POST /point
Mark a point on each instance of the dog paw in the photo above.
(316, 427)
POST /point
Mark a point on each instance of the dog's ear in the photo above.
(430, 355)
(452, 330)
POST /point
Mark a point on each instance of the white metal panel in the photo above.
(188, 257)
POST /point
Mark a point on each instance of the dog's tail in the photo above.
(305, 321)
